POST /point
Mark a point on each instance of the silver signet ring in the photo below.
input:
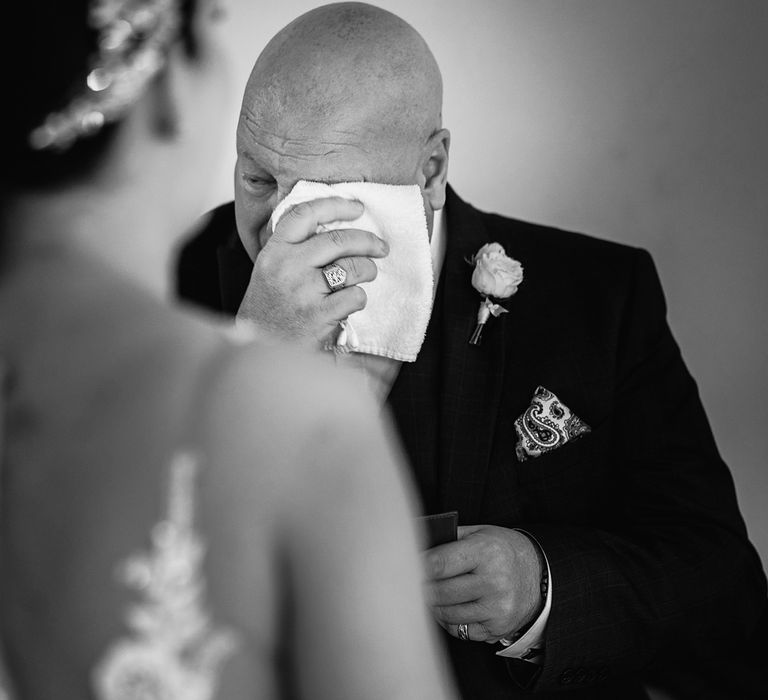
(335, 276)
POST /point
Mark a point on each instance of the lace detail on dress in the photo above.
(174, 651)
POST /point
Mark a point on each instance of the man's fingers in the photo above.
(454, 591)
(341, 304)
(460, 614)
(328, 246)
(449, 560)
(476, 632)
(300, 222)
(465, 530)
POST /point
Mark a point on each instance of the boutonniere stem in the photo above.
(486, 310)
(495, 275)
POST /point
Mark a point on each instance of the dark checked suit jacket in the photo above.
(654, 579)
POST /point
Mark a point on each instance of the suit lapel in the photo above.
(472, 375)
(415, 402)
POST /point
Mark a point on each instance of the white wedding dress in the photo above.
(171, 649)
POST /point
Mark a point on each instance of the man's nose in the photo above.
(279, 193)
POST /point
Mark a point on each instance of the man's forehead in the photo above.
(304, 155)
(321, 151)
(348, 125)
(289, 140)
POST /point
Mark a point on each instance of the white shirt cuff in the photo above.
(533, 639)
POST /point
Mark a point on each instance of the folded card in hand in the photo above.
(440, 527)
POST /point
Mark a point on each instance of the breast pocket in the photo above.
(570, 463)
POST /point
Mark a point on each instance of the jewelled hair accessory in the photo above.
(134, 36)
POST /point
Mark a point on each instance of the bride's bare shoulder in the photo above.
(288, 439)
(276, 402)
(258, 406)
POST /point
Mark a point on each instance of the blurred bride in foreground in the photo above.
(180, 517)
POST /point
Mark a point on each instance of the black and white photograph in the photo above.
(384, 351)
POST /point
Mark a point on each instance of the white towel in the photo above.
(394, 321)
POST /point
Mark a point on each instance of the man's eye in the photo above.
(257, 183)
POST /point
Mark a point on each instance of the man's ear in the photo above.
(435, 168)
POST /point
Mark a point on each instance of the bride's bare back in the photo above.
(311, 569)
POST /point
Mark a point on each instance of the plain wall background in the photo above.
(640, 121)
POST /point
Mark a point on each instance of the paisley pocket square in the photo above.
(546, 425)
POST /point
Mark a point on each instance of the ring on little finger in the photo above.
(463, 632)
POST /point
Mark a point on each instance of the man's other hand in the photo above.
(288, 294)
(489, 579)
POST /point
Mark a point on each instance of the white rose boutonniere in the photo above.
(495, 275)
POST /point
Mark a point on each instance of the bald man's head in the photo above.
(349, 65)
(345, 92)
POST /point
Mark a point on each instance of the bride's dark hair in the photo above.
(55, 44)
